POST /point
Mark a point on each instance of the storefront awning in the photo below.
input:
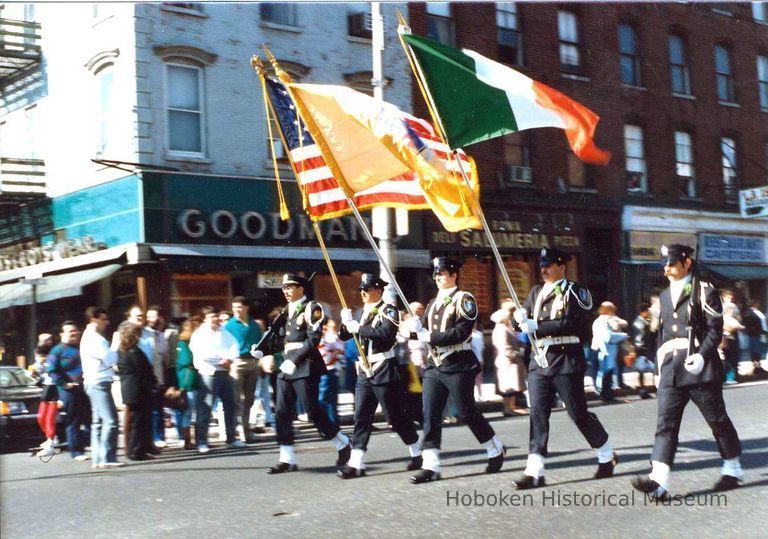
(738, 273)
(55, 287)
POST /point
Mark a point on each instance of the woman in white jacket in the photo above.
(510, 367)
(607, 334)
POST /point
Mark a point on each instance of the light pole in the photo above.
(33, 280)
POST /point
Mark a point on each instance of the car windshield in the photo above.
(15, 377)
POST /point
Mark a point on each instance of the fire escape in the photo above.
(22, 178)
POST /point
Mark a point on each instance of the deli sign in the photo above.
(21, 256)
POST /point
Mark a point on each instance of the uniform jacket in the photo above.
(378, 334)
(562, 313)
(304, 328)
(137, 377)
(674, 324)
(450, 322)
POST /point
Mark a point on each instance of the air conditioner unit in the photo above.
(516, 174)
(360, 25)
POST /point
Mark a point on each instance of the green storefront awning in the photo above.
(55, 287)
(738, 273)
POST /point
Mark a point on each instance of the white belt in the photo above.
(445, 351)
(679, 343)
(564, 339)
(289, 346)
(381, 356)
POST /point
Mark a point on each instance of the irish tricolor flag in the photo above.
(478, 99)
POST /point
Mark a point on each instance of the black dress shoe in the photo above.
(348, 472)
(526, 482)
(605, 469)
(726, 482)
(495, 463)
(282, 467)
(424, 476)
(344, 455)
(643, 483)
(415, 463)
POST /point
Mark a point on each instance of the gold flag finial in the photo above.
(257, 64)
(401, 23)
(282, 75)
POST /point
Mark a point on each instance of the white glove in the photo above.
(288, 367)
(346, 316)
(520, 316)
(258, 354)
(529, 326)
(352, 326)
(413, 324)
(694, 364)
(423, 335)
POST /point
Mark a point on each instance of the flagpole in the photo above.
(540, 358)
(259, 67)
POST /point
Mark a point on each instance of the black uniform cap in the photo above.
(292, 278)
(671, 254)
(369, 280)
(550, 255)
(443, 263)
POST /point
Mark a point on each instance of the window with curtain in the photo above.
(508, 30)
(678, 66)
(570, 46)
(730, 170)
(637, 180)
(440, 24)
(185, 109)
(762, 81)
(517, 159)
(725, 82)
(630, 60)
(684, 163)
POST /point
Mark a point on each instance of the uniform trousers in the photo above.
(708, 398)
(437, 386)
(307, 392)
(570, 387)
(392, 397)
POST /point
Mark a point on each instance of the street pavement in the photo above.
(226, 493)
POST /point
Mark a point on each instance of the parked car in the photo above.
(19, 400)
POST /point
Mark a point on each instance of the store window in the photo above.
(630, 59)
(440, 24)
(678, 66)
(684, 164)
(637, 177)
(191, 292)
(570, 44)
(508, 31)
(725, 81)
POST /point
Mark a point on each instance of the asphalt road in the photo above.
(227, 494)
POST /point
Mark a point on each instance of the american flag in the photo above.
(323, 196)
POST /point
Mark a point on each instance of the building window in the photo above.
(570, 47)
(723, 8)
(185, 109)
(730, 174)
(762, 80)
(760, 11)
(517, 159)
(725, 83)
(508, 29)
(678, 66)
(630, 61)
(360, 24)
(684, 163)
(440, 24)
(637, 179)
(283, 14)
(105, 78)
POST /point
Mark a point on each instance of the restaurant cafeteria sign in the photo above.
(732, 249)
(754, 202)
(22, 256)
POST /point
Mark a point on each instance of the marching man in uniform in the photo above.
(558, 310)
(300, 326)
(451, 369)
(377, 329)
(690, 310)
